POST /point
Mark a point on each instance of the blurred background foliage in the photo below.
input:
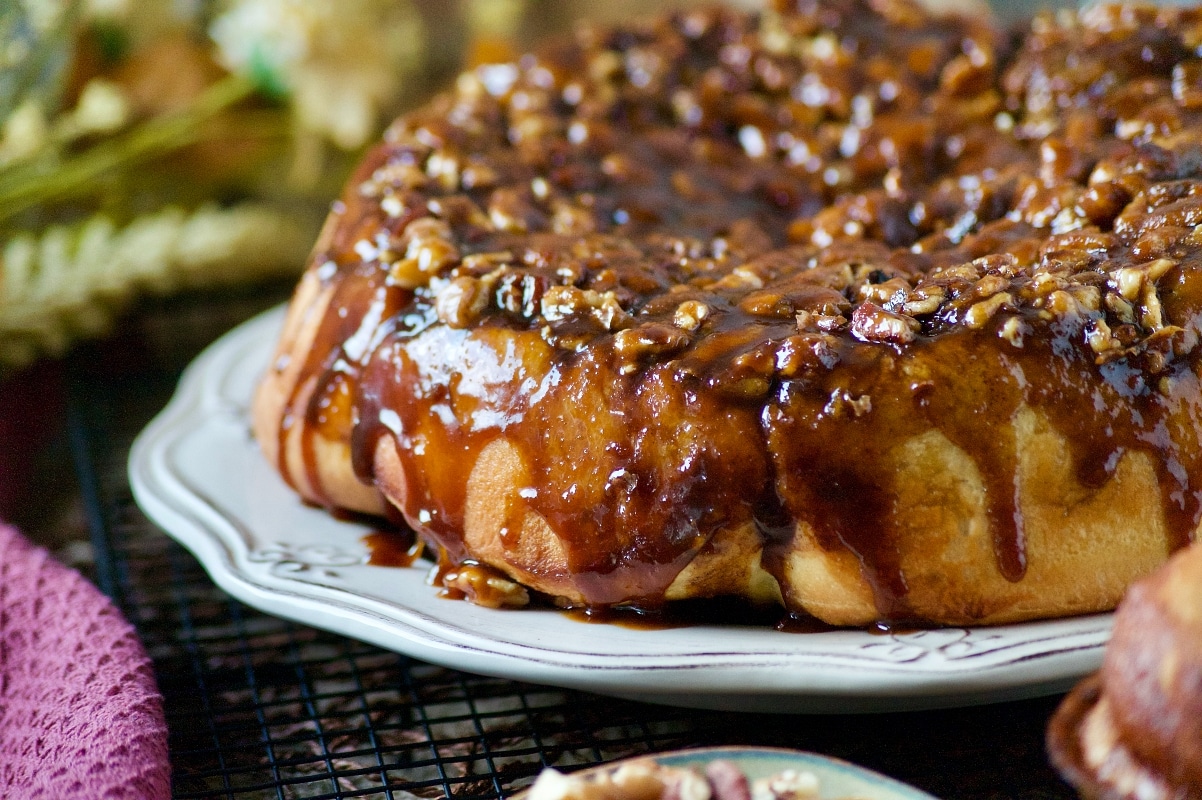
(149, 146)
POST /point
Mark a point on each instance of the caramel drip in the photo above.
(690, 307)
(689, 613)
(398, 547)
(831, 469)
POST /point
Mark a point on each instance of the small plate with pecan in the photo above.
(723, 773)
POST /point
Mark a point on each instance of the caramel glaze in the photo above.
(891, 224)
(689, 613)
(396, 547)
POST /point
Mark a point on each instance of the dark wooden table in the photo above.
(262, 707)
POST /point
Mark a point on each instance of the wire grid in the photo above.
(261, 707)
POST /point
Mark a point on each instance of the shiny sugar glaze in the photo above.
(707, 271)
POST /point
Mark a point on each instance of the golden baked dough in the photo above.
(841, 306)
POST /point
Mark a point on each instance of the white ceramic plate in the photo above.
(837, 780)
(197, 472)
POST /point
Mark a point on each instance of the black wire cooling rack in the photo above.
(260, 707)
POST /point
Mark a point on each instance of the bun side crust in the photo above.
(1081, 550)
(284, 391)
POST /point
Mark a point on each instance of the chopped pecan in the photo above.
(740, 278)
(461, 302)
(1087, 296)
(990, 285)
(459, 211)
(979, 314)
(480, 263)
(891, 294)
(804, 353)
(1060, 305)
(1152, 317)
(636, 346)
(521, 294)
(1013, 330)
(568, 219)
(1101, 340)
(485, 586)
(561, 302)
(392, 176)
(1187, 84)
(510, 210)
(690, 314)
(477, 175)
(926, 299)
(444, 168)
(871, 323)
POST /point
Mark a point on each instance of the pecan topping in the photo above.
(871, 323)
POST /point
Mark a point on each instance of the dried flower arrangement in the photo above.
(149, 146)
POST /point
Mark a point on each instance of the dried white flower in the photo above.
(342, 61)
(24, 133)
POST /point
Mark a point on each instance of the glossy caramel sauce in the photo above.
(707, 611)
(726, 611)
(398, 547)
(709, 270)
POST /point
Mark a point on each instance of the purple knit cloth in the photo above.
(80, 715)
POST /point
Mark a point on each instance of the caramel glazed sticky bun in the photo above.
(874, 314)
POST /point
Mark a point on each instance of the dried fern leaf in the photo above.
(69, 282)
